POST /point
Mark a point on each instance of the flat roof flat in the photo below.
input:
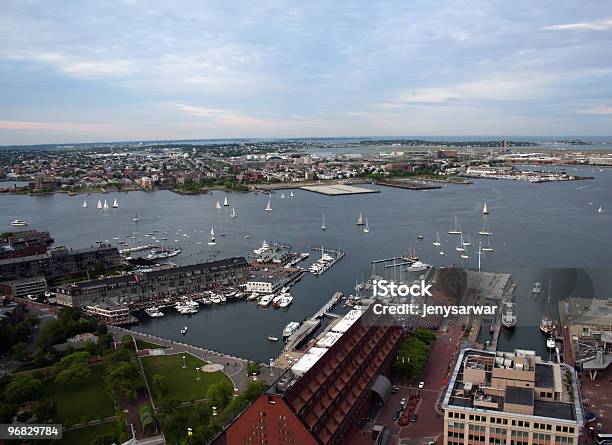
(519, 396)
(327, 340)
(544, 376)
(308, 360)
(338, 189)
(347, 321)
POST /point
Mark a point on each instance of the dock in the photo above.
(334, 300)
(409, 185)
(338, 189)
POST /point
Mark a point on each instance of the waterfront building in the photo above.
(60, 262)
(265, 284)
(155, 284)
(110, 312)
(327, 391)
(500, 398)
(24, 287)
(24, 243)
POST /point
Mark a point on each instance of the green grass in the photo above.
(87, 435)
(80, 404)
(143, 344)
(182, 383)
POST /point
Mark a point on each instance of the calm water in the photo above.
(535, 226)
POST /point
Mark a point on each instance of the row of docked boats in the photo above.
(278, 301)
(325, 262)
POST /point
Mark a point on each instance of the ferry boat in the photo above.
(290, 329)
(19, 222)
(154, 312)
(508, 316)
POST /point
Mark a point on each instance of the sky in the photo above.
(113, 70)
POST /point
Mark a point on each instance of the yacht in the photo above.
(467, 242)
(485, 229)
(135, 219)
(105, 206)
(456, 230)
(154, 312)
(600, 209)
(272, 338)
(266, 300)
(282, 196)
(276, 300)
(537, 288)
(84, 204)
(225, 203)
(437, 241)
(547, 325)
(115, 204)
(290, 329)
(269, 206)
(418, 266)
(211, 238)
(461, 246)
(19, 222)
(508, 315)
(253, 296)
(264, 246)
(360, 221)
(285, 301)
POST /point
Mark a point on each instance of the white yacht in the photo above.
(266, 300)
(537, 288)
(600, 209)
(323, 226)
(154, 312)
(19, 222)
(467, 241)
(485, 210)
(264, 246)
(218, 205)
(360, 221)
(105, 207)
(418, 266)
(437, 241)
(461, 246)
(290, 329)
(291, 195)
(282, 196)
(135, 219)
(366, 227)
(285, 301)
(508, 315)
(184, 330)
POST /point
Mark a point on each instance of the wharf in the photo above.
(337, 189)
(410, 185)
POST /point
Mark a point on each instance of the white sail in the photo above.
(105, 204)
(233, 215)
(291, 195)
(211, 238)
(437, 241)
(456, 230)
(282, 196)
(115, 204)
(84, 204)
(218, 205)
(323, 227)
(360, 219)
(485, 210)
(600, 209)
(366, 227)
(225, 203)
(99, 204)
(269, 206)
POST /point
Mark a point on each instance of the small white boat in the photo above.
(272, 338)
(282, 196)
(184, 330)
(99, 204)
(600, 209)
(225, 203)
(233, 214)
(218, 205)
(135, 219)
(291, 195)
(366, 227)
(84, 204)
(323, 226)
(461, 246)
(19, 222)
(467, 242)
(537, 288)
(154, 312)
(485, 210)
(115, 204)
(269, 206)
(266, 300)
(437, 241)
(465, 256)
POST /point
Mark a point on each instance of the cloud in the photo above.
(597, 110)
(597, 25)
(55, 126)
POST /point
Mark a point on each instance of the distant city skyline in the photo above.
(130, 70)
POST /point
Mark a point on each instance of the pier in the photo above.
(338, 189)
(324, 265)
(409, 185)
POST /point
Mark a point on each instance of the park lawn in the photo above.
(143, 344)
(88, 434)
(81, 404)
(182, 383)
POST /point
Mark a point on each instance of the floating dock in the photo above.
(338, 189)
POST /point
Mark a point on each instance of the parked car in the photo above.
(394, 389)
(421, 385)
(403, 402)
(413, 418)
(397, 414)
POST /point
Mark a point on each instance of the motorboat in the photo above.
(285, 301)
(537, 288)
(184, 330)
(19, 222)
(508, 315)
(418, 266)
(154, 312)
(266, 300)
(272, 338)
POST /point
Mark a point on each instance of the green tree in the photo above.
(22, 388)
(253, 368)
(160, 386)
(219, 394)
(20, 351)
(75, 375)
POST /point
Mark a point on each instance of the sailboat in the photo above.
(115, 204)
(485, 210)
(225, 203)
(455, 230)
(218, 205)
(105, 205)
(366, 227)
(233, 215)
(461, 246)
(547, 325)
(600, 209)
(99, 204)
(437, 241)
(485, 229)
(211, 238)
(488, 247)
(290, 194)
(323, 227)
(269, 206)
(360, 219)
(84, 204)
(135, 219)
(282, 196)
(467, 242)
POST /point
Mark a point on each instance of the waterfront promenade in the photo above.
(234, 367)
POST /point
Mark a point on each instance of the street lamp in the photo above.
(271, 368)
(189, 432)
(184, 365)
(197, 373)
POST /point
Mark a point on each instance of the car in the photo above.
(403, 403)
(397, 414)
(421, 385)
(395, 389)
(414, 418)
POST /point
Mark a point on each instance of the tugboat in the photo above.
(508, 317)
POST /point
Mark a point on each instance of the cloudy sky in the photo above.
(133, 70)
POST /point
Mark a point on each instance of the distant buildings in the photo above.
(24, 243)
(34, 286)
(326, 392)
(511, 399)
(155, 284)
